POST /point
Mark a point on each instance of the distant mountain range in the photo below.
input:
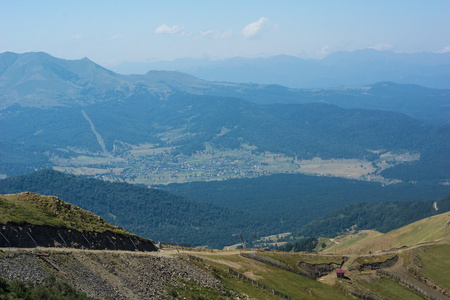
(40, 80)
(358, 68)
(54, 109)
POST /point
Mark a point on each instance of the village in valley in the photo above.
(150, 165)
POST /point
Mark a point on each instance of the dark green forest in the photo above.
(307, 244)
(150, 213)
(380, 216)
(215, 213)
(293, 200)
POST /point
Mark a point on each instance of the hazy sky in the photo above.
(110, 32)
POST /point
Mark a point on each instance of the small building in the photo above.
(340, 273)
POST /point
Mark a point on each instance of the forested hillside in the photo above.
(298, 199)
(217, 212)
(150, 213)
(379, 216)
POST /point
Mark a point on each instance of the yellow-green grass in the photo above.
(435, 261)
(30, 208)
(220, 271)
(234, 283)
(352, 243)
(370, 259)
(192, 290)
(427, 230)
(294, 285)
(386, 288)
(292, 260)
(328, 243)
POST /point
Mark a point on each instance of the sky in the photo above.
(111, 32)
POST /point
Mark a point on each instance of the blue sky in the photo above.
(110, 32)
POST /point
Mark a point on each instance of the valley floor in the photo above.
(147, 164)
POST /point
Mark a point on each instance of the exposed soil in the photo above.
(319, 270)
(376, 265)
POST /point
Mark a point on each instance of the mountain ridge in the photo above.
(360, 67)
(38, 79)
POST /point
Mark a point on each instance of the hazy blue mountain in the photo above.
(361, 67)
(38, 79)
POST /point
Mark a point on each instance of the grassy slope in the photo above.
(434, 264)
(296, 286)
(435, 261)
(426, 230)
(383, 288)
(47, 210)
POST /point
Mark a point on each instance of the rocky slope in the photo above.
(107, 275)
(30, 236)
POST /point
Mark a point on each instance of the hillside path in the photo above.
(97, 135)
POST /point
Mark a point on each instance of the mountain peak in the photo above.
(25, 77)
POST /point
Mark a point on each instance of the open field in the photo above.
(350, 168)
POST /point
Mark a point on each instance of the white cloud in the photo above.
(256, 29)
(446, 49)
(216, 34)
(76, 36)
(380, 47)
(164, 29)
(207, 32)
(325, 50)
(115, 37)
